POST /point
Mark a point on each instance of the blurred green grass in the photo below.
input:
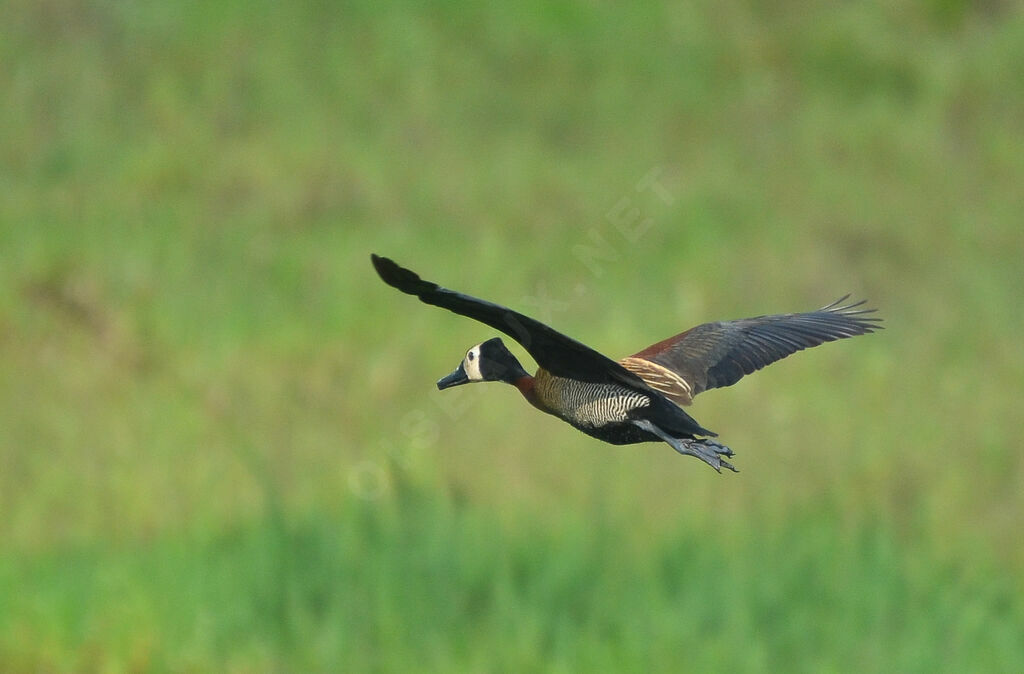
(219, 442)
(421, 584)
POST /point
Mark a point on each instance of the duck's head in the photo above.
(487, 361)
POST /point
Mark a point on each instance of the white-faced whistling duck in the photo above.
(639, 398)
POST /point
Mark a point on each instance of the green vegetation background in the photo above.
(220, 446)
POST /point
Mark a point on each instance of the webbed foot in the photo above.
(708, 451)
(705, 449)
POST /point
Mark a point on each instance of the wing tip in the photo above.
(395, 275)
(851, 311)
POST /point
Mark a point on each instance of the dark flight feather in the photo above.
(718, 354)
(560, 355)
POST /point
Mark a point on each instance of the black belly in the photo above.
(619, 434)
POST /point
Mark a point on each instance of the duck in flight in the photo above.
(639, 398)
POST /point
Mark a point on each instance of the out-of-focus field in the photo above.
(220, 444)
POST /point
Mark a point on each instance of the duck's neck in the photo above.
(527, 385)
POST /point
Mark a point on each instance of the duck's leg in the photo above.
(708, 451)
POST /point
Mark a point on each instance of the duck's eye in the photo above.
(471, 355)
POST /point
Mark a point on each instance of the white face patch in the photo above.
(471, 364)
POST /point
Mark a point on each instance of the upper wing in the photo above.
(719, 354)
(560, 355)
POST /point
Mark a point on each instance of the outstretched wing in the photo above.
(713, 355)
(560, 355)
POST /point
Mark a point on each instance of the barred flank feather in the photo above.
(587, 404)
